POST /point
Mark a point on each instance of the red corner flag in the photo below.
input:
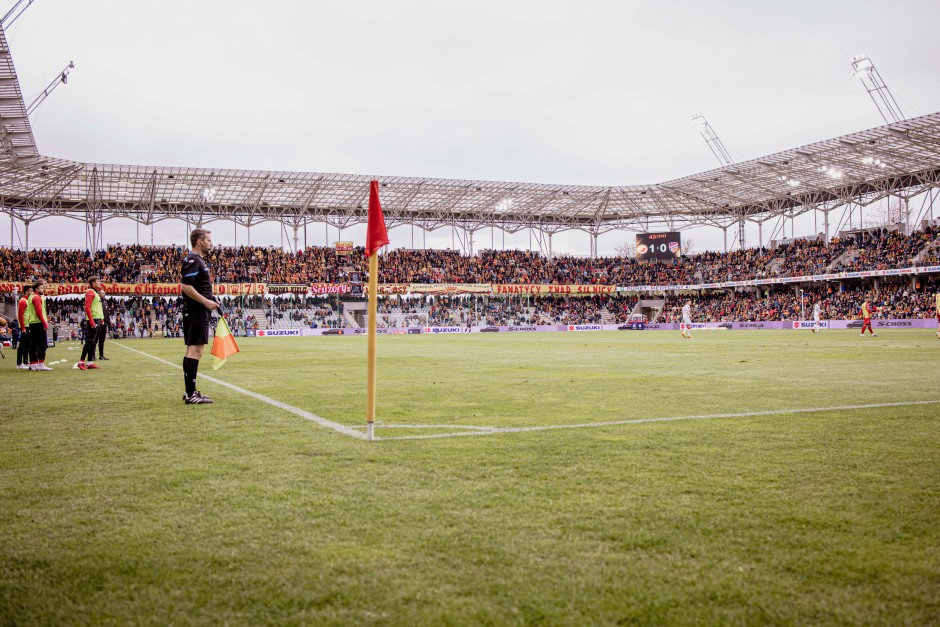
(376, 235)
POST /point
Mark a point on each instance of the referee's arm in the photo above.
(190, 291)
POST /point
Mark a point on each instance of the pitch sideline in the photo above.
(637, 421)
(469, 430)
(323, 422)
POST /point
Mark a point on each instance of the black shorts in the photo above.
(196, 326)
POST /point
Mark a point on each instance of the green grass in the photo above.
(119, 504)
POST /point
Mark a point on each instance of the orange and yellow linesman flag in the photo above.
(376, 237)
(223, 344)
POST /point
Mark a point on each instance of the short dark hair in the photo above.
(92, 279)
(27, 286)
(196, 235)
(38, 283)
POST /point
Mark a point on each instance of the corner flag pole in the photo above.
(373, 311)
(376, 237)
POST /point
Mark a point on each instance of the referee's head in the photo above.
(200, 240)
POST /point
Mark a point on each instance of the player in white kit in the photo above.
(817, 313)
(687, 320)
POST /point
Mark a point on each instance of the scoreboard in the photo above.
(658, 245)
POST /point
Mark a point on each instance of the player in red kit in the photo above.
(865, 314)
(22, 351)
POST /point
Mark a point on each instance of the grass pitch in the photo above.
(119, 504)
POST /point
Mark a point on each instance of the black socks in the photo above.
(190, 368)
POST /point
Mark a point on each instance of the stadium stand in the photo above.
(873, 249)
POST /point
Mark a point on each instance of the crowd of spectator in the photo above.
(876, 249)
(161, 317)
(296, 311)
(894, 300)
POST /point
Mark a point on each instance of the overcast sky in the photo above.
(586, 92)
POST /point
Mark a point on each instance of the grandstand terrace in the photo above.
(874, 249)
(776, 297)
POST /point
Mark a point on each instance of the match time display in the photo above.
(658, 245)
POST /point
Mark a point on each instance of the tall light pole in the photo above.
(721, 154)
(866, 72)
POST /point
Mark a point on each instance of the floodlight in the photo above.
(862, 64)
(864, 70)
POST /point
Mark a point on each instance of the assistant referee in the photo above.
(198, 305)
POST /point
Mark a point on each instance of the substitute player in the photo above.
(938, 315)
(103, 331)
(865, 314)
(817, 314)
(94, 324)
(38, 323)
(22, 351)
(198, 305)
(687, 320)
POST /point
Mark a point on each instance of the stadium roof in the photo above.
(897, 159)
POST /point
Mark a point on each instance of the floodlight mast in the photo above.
(61, 79)
(865, 71)
(7, 20)
(721, 153)
(714, 143)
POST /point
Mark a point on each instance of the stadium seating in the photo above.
(874, 249)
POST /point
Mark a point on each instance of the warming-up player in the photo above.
(865, 314)
(687, 320)
(817, 314)
(22, 351)
(938, 315)
(94, 317)
(38, 323)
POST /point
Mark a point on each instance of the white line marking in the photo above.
(636, 421)
(470, 430)
(329, 424)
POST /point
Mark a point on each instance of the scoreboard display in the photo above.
(658, 245)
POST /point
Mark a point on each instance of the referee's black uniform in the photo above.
(196, 320)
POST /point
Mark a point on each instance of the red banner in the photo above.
(141, 289)
(329, 288)
(529, 289)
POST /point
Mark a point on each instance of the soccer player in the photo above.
(687, 320)
(817, 313)
(22, 351)
(938, 315)
(198, 305)
(865, 315)
(106, 326)
(94, 317)
(38, 322)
